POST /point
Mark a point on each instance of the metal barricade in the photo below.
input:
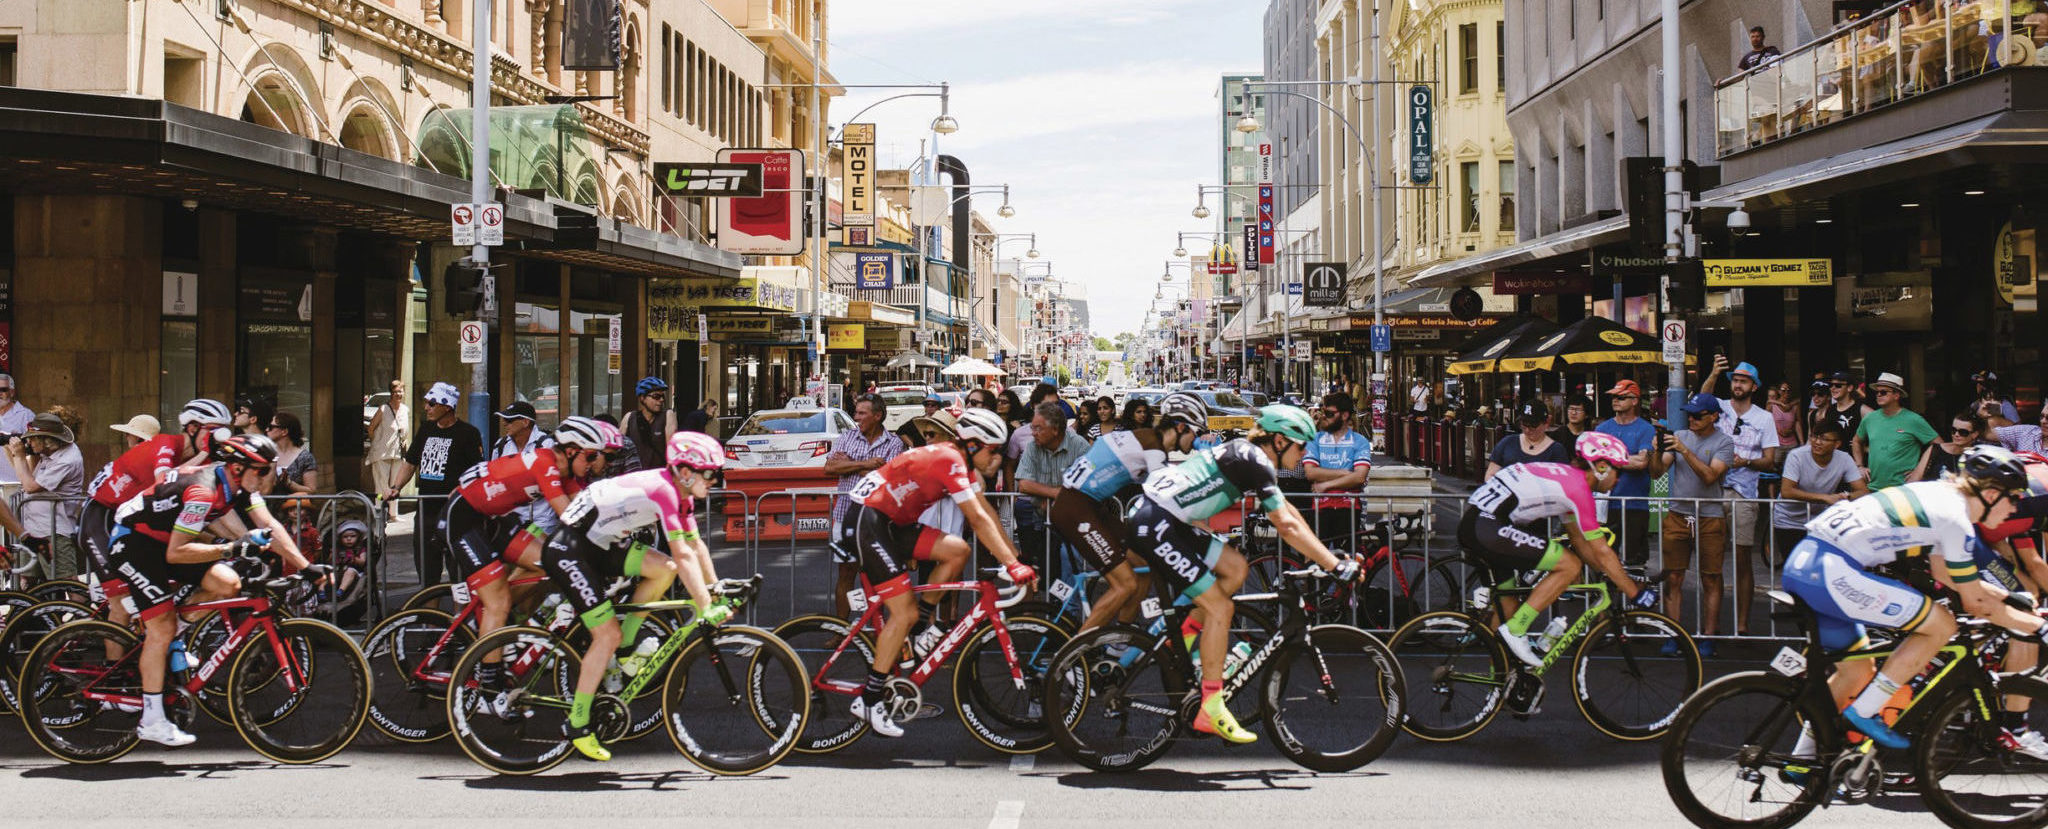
(353, 596)
(429, 549)
(59, 554)
(803, 595)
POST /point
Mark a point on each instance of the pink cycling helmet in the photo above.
(613, 439)
(1600, 447)
(695, 450)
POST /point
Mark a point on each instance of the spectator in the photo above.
(1784, 408)
(1633, 484)
(1338, 460)
(1987, 389)
(1051, 448)
(981, 399)
(1532, 445)
(1944, 456)
(1889, 440)
(1756, 451)
(521, 431)
(702, 418)
(1418, 397)
(444, 447)
(252, 415)
(1104, 419)
(855, 454)
(14, 420)
(297, 472)
(1578, 420)
(2024, 437)
(1011, 407)
(620, 461)
(389, 429)
(649, 425)
(1760, 52)
(1137, 415)
(1842, 407)
(50, 465)
(1816, 474)
(1698, 458)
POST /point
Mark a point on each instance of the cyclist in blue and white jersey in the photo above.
(1087, 513)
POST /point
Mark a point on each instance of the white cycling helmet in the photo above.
(205, 411)
(982, 425)
(1185, 408)
(581, 432)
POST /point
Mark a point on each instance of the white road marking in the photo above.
(1008, 814)
(1023, 762)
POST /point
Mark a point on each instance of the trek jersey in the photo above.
(136, 469)
(185, 504)
(1901, 522)
(1529, 492)
(911, 482)
(1112, 463)
(1346, 454)
(498, 487)
(1213, 479)
(611, 510)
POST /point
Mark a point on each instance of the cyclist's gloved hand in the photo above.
(1646, 597)
(1020, 573)
(1347, 569)
(260, 538)
(717, 614)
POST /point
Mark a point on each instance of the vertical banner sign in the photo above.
(614, 343)
(590, 38)
(1251, 247)
(1421, 145)
(1265, 161)
(857, 182)
(771, 224)
(874, 271)
(1266, 224)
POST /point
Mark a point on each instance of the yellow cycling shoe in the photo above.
(1215, 719)
(591, 748)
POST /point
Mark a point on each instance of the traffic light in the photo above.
(1688, 290)
(462, 288)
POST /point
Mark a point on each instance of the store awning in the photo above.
(875, 313)
(1920, 154)
(1472, 270)
(1482, 355)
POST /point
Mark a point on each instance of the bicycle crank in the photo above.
(609, 719)
(906, 701)
(1860, 775)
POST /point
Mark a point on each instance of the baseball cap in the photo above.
(1747, 369)
(1531, 411)
(1985, 376)
(519, 409)
(1889, 379)
(444, 394)
(1841, 377)
(1626, 387)
(1702, 404)
(142, 426)
(934, 399)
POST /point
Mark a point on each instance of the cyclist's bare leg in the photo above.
(1123, 584)
(1553, 585)
(604, 639)
(1919, 647)
(497, 598)
(157, 633)
(1217, 610)
(1141, 587)
(657, 572)
(895, 630)
(949, 557)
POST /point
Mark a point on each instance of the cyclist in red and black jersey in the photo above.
(157, 543)
(884, 533)
(140, 467)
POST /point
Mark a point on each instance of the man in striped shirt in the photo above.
(854, 455)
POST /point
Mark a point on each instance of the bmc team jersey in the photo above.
(610, 511)
(1346, 454)
(1213, 479)
(186, 504)
(1528, 492)
(911, 482)
(1901, 522)
(1114, 462)
(503, 485)
(136, 469)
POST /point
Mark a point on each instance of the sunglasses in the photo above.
(6, 389)
(1838, 385)
(1887, 391)
(1962, 430)
(1625, 397)
(1331, 412)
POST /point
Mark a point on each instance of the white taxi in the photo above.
(791, 438)
(901, 402)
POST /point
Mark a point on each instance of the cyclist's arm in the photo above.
(1986, 601)
(1595, 551)
(689, 570)
(2031, 564)
(281, 542)
(1298, 534)
(987, 529)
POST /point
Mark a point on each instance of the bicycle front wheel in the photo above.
(1458, 672)
(1007, 713)
(735, 702)
(69, 683)
(1967, 773)
(1730, 759)
(1333, 700)
(1624, 686)
(530, 733)
(411, 656)
(299, 693)
(26, 626)
(1108, 704)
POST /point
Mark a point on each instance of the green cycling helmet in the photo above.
(1290, 421)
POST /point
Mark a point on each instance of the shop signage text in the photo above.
(1753, 273)
(1518, 283)
(857, 174)
(1421, 147)
(1324, 284)
(852, 337)
(874, 271)
(708, 180)
(771, 224)
(1399, 321)
(1623, 263)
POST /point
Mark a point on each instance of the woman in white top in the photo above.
(389, 430)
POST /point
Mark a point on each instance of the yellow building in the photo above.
(1455, 46)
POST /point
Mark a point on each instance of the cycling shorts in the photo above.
(1845, 597)
(95, 528)
(155, 584)
(882, 547)
(585, 572)
(1182, 556)
(1506, 547)
(1091, 526)
(477, 541)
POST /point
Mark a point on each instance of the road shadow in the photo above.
(592, 781)
(157, 770)
(1168, 780)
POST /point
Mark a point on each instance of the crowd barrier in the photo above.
(1453, 448)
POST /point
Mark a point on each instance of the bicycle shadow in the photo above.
(1169, 780)
(585, 782)
(157, 770)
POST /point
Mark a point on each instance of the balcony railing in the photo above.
(1908, 49)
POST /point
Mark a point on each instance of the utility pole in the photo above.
(480, 194)
(1674, 196)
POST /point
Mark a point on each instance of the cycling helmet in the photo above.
(1185, 408)
(204, 411)
(1995, 466)
(1600, 447)
(650, 385)
(581, 432)
(249, 450)
(982, 425)
(695, 450)
(1289, 421)
(614, 440)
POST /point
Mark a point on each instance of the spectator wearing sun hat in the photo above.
(52, 471)
(1889, 440)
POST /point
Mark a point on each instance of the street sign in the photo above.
(857, 176)
(1267, 224)
(490, 224)
(1294, 289)
(1674, 341)
(1325, 284)
(1304, 349)
(1265, 161)
(472, 341)
(1421, 146)
(708, 180)
(463, 217)
(613, 343)
(1251, 246)
(1382, 338)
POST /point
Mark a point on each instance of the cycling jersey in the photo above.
(1347, 454)
(498, 487)
(1901, 522)
(1112, 463)
(909, 483)
(611, 510)
(1525, 493)
(136, 469)
(185, 504)
(1213, 479)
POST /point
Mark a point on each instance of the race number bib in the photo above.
(867, 486)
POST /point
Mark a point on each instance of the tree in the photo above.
(1103, 344)
(1123, 340)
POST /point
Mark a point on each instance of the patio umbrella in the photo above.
(1484, 349)
(912, 359)
(1590, 341)
(973, 367)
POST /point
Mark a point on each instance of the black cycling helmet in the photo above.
(1996, 466)
(248, 450)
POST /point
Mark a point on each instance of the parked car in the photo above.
(1227, 411)
(901, 402)
(1257, 400)
(793, 438)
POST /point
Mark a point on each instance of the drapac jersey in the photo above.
(185, 504)
(1901, 522)
(909, 483)
(503, 485)
(1213, 479)
(611, 510)
(137, 469)
(1347, 454)
(1529, 492)
(1112, 463)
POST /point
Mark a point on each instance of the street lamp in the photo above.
(1248, 124)
(1201, 210)
(1180, 252)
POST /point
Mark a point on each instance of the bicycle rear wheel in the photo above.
(1623, 685)
(1728, 759)
(1392, 592)
(1007, 714)
(1459, 675)
(26, 626)
(533, 735)
(299, 694)
(62, 590)
(409, 677)
(1108, 704)
(439, 597)
(1333, 701)
(735, 701)
(63, 667)
(1966, 772)
(831, 725)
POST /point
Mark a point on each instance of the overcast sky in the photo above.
(1101, 115)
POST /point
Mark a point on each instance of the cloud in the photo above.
(862, 19)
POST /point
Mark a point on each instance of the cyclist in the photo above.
(593, 547)
(492, 490)
(1829, 571)
(884, 531)
(1166, 528)
(1504, 525)
(157, 543)
(1086, 513)
(139, 468)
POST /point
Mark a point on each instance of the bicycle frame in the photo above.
(260, 615)
(470, 610)
(983, 609)
(1579, 626)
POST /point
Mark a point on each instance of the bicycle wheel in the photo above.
(1728, 759)
(411, 655)
(1392, 593)
(1066, 615)
(533, 736)
(25, 627)
(1968, 776)
(735, 702)
(1007, 713)
(202, 639)
(831, 725)
(299, 694)
(439, 597)
(1108, 703)
(1459, 672)
(60, 670)
(62, 590)
(1333, 700)
(1623, 685)
(1262, 572)
(1449, 583)
(643, 710)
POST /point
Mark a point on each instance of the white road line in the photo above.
(1023, 762)
(1008, 814)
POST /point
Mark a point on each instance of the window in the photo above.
(1500, 56)
(1468, 185)
(7, 52)
(184, 78)
(1507, 196)
(1468, 57)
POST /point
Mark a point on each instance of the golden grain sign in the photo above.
(1768, 273)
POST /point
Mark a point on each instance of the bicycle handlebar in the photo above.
(25, 559)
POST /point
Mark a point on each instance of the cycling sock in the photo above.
(490, 674)
(152, 708)
(2012, 720)
(877, 681)
(924, 616)
(629, 627)
(1211, 687)
(1806, 747)
(579, 710)
(1519, 623)
(1874, 696)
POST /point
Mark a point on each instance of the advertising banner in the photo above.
(1765, 273)
(857, 180)
(708, 180)
(1421, 145)
(1323, 284)
(874, 271)
(771, 224)
(849, 337)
